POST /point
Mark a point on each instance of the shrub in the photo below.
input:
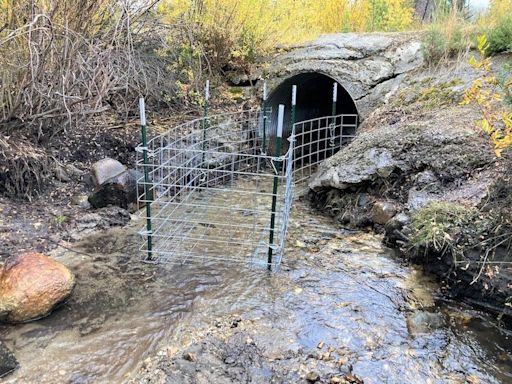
(488, 93)
(447, 37)
(433, 45)
(500, 36)
(435, 225)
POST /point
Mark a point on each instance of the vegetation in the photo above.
(488, 92)
(224, 35)
(435, 225)
(453, 32)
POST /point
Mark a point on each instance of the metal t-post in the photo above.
(205, 119)
(279, 144)
(148, 187)
(264, 109)
(333, 123)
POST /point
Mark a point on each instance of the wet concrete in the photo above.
(381, 320)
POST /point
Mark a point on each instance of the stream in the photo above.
(335, 288)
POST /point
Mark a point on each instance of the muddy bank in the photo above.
(425, 176)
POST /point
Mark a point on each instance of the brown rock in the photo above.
(31, 285)
(383, 211)
(312, 377)
(189, 356)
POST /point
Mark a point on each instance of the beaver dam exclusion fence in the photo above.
(221, 187)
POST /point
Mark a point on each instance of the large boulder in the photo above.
(31, 285)
(105, 170)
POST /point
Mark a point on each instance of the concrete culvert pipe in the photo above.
(314, 100)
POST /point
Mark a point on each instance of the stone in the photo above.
(189, 356)
(420, 322)
(121, 191)
(61, 174)
(8, 362)
(365, 166)
(383, 211)
(73, 171)
(419, 198)
(426, 178)
(312, 377)
(31, 286)
(106, 170)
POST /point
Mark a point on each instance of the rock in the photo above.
(31, 285)
(81, 201)
(419, 198)
(120, 191)
(312, 377)
(73, 171)
(383, 211)
(365, 166)
(61, 174)
(396, 228)
(8, 362)
(424, 322)
(189, 356)
(105, 170)
(426, 178)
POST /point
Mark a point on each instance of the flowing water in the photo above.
(335, 287)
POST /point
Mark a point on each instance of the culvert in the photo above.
(314, 97)
(317, 118)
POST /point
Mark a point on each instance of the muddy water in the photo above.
(338, 288)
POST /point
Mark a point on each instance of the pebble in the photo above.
(312, 377)
(189, 356)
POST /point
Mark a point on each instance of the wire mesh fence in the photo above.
(221, 187)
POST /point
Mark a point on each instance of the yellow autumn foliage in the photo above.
(271, 22)
(487, 93)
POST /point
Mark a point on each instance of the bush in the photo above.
(448, 36)
(433, 45)
(62, 64)
(500, 36)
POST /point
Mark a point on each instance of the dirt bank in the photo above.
(422, 173)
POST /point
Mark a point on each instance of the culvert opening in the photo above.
(314, 97)
(315, 121)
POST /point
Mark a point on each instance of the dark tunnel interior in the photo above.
(318, 139)
(314, 98)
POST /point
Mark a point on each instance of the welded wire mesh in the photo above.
(211, 185)
(318, 139)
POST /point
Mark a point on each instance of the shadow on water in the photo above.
(343, 289)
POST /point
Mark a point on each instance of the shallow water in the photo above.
(340, 288)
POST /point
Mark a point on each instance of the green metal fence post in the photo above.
(148, 187)
(205, 118)
(279, 144)
(264, 109)
(333, 113)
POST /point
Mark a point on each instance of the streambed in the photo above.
(341, 291)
